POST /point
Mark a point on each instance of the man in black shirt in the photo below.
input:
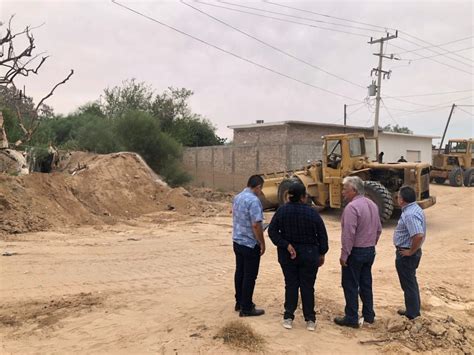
(300, 235)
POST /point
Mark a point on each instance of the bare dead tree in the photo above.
(23, 63)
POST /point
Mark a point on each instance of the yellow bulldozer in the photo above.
(456, 164)
(348, 155)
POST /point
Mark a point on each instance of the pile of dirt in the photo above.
(89, 189)
(210, 194)
(425, 334)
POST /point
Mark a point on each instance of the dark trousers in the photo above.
(357, 281)
(247, 262)
(406, 270)
(300, 274)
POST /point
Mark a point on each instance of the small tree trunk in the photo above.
(3, 134)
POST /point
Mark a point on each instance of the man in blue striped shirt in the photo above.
(408, 239)
(249, 244)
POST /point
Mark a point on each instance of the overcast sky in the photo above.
(106, 44)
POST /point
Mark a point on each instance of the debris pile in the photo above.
(425, 334)
(89, 189)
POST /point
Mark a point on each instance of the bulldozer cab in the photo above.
(342, 154)
(457, 153)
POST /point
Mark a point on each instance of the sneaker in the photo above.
(288, 323)
(342, 321)
(402, 312)
(310, 325)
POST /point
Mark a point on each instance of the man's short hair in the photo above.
(296, 191)
(254, 181)
(355, 182)
(408, 194)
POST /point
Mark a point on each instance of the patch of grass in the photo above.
(240, 335)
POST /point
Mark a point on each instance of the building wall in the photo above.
(286, 147)
(394, 146)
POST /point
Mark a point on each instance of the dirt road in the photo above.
(163, 283)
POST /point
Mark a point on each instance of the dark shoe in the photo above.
(253, 313)
(370, 321)
(402, 312)
(237, 307)
(342, 321)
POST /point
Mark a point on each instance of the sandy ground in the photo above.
(163, 283)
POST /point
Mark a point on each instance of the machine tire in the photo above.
(378, 193)
(283, 189)
(455, 177)
(469, 177)
(439, 180)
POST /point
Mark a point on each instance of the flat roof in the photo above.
(283, 123)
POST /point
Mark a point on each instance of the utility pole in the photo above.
(345, 117)
(446, 128)
(379, 72)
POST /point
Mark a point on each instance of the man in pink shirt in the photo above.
(361, 229)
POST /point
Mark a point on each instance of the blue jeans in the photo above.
(357, 281)
(247, 262)
(300, 274)
(406, 270)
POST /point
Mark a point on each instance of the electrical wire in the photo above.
(389, 113)
(469, 113)
(329, 16)
(298, 17)
(430, 94)
(437, 55)
(436, 61)
(431, 45)
(439, 45)
(433, 51)
(272, 46)
(231, 53)
(433, 106)
(280, 19)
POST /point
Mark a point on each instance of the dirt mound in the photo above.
(426, 334)
(88, 189)
(210, 194)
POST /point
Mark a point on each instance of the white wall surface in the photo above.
(394, 146)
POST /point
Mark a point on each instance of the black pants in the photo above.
(300, 274)
(357, 281)
(406, 270)
(247, 262)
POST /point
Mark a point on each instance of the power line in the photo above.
(439, 45)
(433, 106)
(430, 94)
(329, 16)
(389, 113)
(437, 55)
(434, 60)
(231, 53)
(377, 26)
(469, 113)
(430, 44)
(298, 17)
(272, 46)
(280, 19)
(437, 52)
(406, 101)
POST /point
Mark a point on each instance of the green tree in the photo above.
(397, 129)
(131, 95)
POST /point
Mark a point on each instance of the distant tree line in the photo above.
(130, 117)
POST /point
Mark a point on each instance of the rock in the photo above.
(436, 329)
(416, 327)
(454, 334)
(396, 325)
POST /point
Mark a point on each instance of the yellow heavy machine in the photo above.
(456, 164)
(347, 155)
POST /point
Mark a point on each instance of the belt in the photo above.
(402, 248)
